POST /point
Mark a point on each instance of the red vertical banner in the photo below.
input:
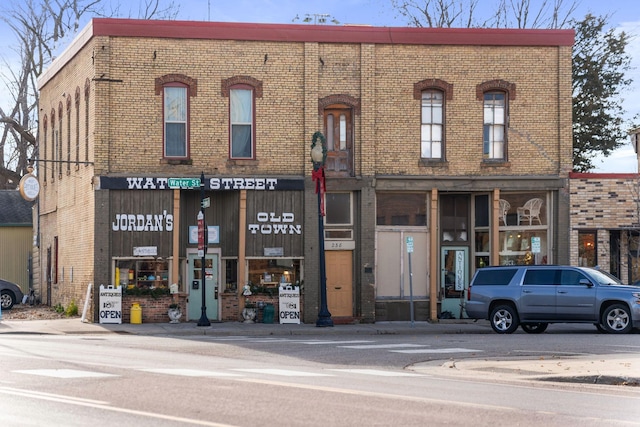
(201, 241)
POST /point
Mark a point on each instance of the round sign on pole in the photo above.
(29, 187)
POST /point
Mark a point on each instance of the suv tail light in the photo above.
(469, 293)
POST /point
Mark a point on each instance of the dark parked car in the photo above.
(534, 296)
(10, 294)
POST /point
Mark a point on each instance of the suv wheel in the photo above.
(7, 300)
(504, 319)
(616, 319)
(534, 328)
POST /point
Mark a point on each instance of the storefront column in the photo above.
(494, 255)
(242, 235)
(435, 266)
(175, 261)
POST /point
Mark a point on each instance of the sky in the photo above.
(624, 16)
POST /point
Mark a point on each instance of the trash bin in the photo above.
(267, 313)
(136, 313)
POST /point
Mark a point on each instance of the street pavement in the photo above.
(616, 369)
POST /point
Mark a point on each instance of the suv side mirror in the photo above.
(586, 283)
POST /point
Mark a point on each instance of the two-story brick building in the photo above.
(447, 150)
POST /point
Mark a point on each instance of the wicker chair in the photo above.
(530, 211)
(504, 207)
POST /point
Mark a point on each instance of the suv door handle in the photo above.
(562, 292)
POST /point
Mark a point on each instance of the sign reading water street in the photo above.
(176, 183)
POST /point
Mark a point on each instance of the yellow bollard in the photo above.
(136, 313)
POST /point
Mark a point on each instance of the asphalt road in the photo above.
(53, 380)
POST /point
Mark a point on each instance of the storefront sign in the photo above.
(213, 234)
(289, 304)
(272, 252)
(215, 183)
(270, 223)
(145, 251)
(140, 222)
(110, 304)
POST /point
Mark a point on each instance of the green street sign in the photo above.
(176, 183)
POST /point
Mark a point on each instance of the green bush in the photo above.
(58, 308)
(72, 309)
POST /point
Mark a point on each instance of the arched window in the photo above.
(432, 130)
(242, 92)
(494, 125)
(242, 122)
(495, 95)
(176, 90)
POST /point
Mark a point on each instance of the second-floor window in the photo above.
(432, 124)
(242, 123)
(494, 129)
(175, 121)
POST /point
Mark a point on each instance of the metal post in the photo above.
(318, 157)
(204, 320)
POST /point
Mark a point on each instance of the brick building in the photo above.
(605, 222)
(454, 144)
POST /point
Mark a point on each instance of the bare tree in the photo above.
(465, 13)
(40, 28)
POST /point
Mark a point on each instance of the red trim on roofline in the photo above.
(329, 33)
(599, 175)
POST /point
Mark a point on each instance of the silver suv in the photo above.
(534, 296)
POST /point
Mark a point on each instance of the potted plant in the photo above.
(249, 312)
(174, 313)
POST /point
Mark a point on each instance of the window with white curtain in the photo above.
(241, 114)
(175, 121)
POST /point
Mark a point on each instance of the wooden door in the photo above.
(339, 135)
(339, 266)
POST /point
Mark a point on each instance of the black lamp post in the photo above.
(318, 158)
(202, 249)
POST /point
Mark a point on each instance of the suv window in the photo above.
(542, 277)
(494, 276)
(571, 277)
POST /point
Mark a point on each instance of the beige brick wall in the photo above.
(125, 132)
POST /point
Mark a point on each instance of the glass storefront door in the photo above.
(454, 281)
(194, 282)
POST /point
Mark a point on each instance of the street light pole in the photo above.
(318, 158)
(202, 251)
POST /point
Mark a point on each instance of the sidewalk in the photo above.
(619, 369)
(76, 326)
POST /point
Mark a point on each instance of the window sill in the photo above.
(433, 163)
(166, 161)
(242, 162)
(486, 164)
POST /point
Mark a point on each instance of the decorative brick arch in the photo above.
(53, 118)
(423, 85)
(69, 98)
(87, 88)
(503, 85)
(77, 96)
(349, 100)
(45, 121)
(60, 106)
(227, 84)
(177, 78)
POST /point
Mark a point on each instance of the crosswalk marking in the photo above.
(64, 373)
(334, 342)
(191, 372)
(283, 372)
(436, 350)
(379, 373)
(380, 346)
